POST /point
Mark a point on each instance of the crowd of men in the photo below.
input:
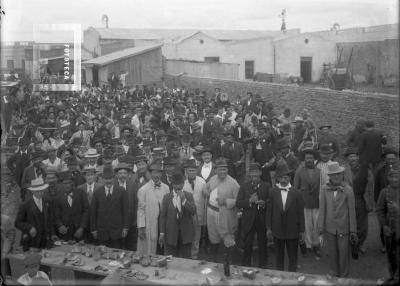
(174, 171)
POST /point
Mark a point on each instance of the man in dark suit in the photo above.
(71, 210)
(176, 219)
(122, 172)
(240, 133)
(370, 147)
(109, 212)
(210, 124)
(262, 152)
(252, 198)
(285, 218)
(19, 161)
(234, 152)
(88, 189)
(34, 218)
(33, 171)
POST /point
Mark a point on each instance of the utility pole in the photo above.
(283, 16)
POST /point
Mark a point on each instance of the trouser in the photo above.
(393, 254)
(196, 241)
(291, 248)
(180, 249)
(338, 247)
(88, 237)
(362, 225)
(130, 240)
(112, 243)
(213, 226)
(311, 228)
(261, 231)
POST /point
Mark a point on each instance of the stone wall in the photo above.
(341, 109)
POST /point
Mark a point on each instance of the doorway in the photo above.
(95, 73)
(306, 69)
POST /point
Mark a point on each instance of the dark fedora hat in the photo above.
(177, 178)
(282, 169)
(390, 150)
(326, 148)
(221, 162)
(108, 172)
(155, 167)
(351, 150)
(190, 163)
(123, 166)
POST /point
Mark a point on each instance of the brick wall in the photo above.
(341, 109)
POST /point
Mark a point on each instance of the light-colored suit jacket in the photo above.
(199, 198)
(337, 215)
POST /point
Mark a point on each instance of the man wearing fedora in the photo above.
(196, 185)
(34, 218)
(233, 151)
(91, 158)
(222, 191)
(252, 199)
(150, 197)
(109, 212)
(122, 172)
(285, 218)
(307, 181)
(176, 219)
(71, 210)
(337, 223)
(88, 189)
(360, 177)
(19, 160)
(33, 171)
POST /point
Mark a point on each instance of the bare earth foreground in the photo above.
(371, 265)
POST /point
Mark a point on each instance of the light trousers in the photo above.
(311, 229)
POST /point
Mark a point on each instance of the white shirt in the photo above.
(90, 188)
(206, 170)
(25, 279)
(108, 190)
(324, 178)
(70, 199)
(38, 203)
(176, 200)
(56, 163)
(123, 185)
(284, 194)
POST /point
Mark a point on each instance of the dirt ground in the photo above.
(371, 265)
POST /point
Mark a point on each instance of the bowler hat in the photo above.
(308, 150)
(108, 172)
(190, 163)
(390, 150)
(221, 162)
(351, 150)
(177, 178)
(65, 176)
(326, 148)
(282, 169)
(122, 166)
(334, 168)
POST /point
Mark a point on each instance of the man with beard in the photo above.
(150, 197)
(252, 198)
(359, 174)
(307, 181)
(222, 191)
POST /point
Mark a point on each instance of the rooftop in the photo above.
(116, 56)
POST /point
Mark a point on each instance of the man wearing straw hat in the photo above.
(337, 220)
(33, 217)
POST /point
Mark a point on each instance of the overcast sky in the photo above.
(308, 15)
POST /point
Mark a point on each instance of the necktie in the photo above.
(192, 184)
(108, 193)
(90, 193)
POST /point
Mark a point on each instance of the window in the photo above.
(249, 69)
(10, 64)
(211, 59)
(201, 41)
(23, 64)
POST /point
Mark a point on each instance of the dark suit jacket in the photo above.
(250, 213)
(170, 225)
(308, 184)
(109, 216)
(210, 126)
(17, 164)
(370, 147)
(74, 216)
(131, 192)
(84, 187)
(289, 222)
(29, 216)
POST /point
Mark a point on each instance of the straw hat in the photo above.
(334, 168)
(38, 185)
(91, 153)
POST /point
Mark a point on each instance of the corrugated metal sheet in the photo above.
(116, 56)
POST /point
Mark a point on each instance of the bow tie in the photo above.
(283, 190)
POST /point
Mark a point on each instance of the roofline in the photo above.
(88, 63)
